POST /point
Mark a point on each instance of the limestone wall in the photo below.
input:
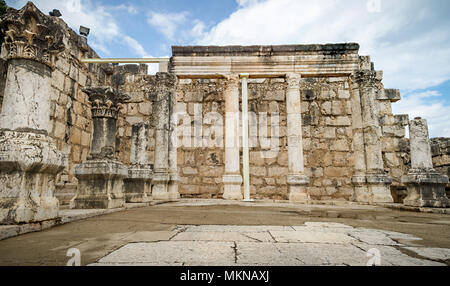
(327, 134)
(70, 111)
(133, 81)
(440, 148)
(327, 109)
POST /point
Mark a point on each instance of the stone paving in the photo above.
(311, 244)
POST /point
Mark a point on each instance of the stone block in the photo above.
(338, 121)
(343, 94)
(278, 171)
(258, 171)
(195, 96)
(100, 185)
(275, 95)
(145, 108)
(23, 196)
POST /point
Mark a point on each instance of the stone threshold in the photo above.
(66, 215)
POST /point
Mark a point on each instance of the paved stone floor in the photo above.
(309, 244)
(220, 233)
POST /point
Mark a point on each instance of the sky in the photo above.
(408, 39)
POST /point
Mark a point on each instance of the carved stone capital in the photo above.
(293, 80)
(160, 87)
(105, 101)
(232, 81)
(366, 79)
(29, 34)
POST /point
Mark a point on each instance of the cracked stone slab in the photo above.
(342, 230)
(398, 235)
(189, 253)
(150, 236)
(236, 228)
(311, 237)
(327, 225)
(263, 254)
(372, 237)
(313, 254)
(390, 256)
(224, 236)
(299, 254)
(432, 253)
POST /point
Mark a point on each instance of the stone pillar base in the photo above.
(137, 187)
(297, 188)
(29, 163)
(373, 189)
(232, 187)
(160, 187)
(100, 185)
(174, 195)
(426, 188)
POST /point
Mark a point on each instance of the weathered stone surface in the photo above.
(426, 188)
(29, 34)
(100, 179)
(333, 124)
(27, 160)
(100, 185)
(166, 252)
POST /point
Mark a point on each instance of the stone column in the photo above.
(374, 185)
(100, 178)
(173, 150)
(297, 181)
(29, 159)
(426, 187)
(162, 90)
(137, 186)
(232, 179)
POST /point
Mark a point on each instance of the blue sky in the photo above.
(408, 39)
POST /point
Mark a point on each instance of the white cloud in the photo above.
(129, 8)
(198, 30)
(166, 23)
(429, 105)
(105, 29)
(245, 3)
(408, 39)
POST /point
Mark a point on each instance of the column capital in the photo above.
(233, 80)
(105, 101)
(29, 34)
(293, 80)
(367, 78)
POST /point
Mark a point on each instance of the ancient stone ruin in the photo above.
(320, 120)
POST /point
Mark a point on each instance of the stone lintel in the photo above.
(335, 49)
